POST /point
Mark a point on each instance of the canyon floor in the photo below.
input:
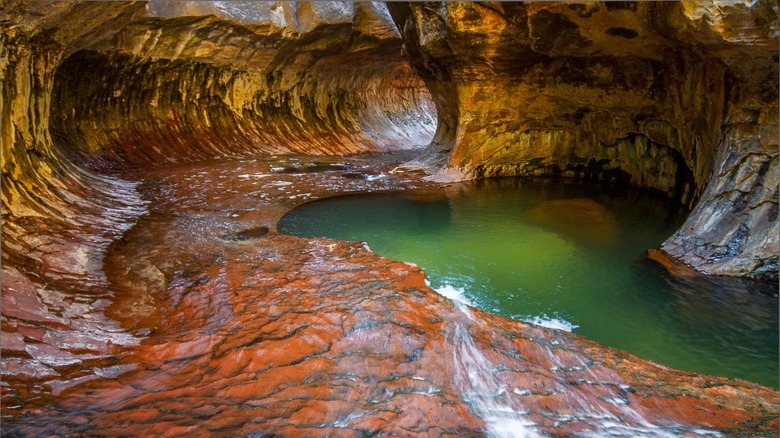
(212, 322)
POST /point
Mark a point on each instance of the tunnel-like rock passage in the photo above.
(183, 89)
(146, 291)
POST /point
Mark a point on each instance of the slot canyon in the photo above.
(150, 148)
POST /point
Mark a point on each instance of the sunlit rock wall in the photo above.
(675, 97)
(57, 219)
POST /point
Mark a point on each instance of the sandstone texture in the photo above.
(676, 97)
(92, 87)
(184, 88)
(148, 149)
(285, 336)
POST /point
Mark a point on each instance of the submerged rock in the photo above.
(250, 234)
(308, 337)
(581, 219)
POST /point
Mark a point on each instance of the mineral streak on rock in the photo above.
(104, 106)
(187, 88)
(109, 85)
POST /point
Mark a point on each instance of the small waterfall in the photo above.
(490, 398)
(475, 375)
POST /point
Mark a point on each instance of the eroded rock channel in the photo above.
(148, 150)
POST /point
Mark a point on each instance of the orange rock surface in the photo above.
(289, 336)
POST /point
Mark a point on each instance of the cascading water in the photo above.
(565, 257)
(504, 415)
(261, 333)
(486, 395)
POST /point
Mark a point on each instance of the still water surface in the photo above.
(569, 257)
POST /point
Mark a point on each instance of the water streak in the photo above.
(485, 393)
(504, 417)
(550, 322)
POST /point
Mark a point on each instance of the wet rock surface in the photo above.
(59, 218)
(300, 337)
(675, 97)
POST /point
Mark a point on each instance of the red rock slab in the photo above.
(288, 336)
(674, 266)
(335, 359)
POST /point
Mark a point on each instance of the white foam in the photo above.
(499, 427)
(485, 392)
(501, 409)
(551, 323)
(521, 392)
(479, 386)
(457, 294)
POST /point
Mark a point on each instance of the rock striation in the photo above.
(733, 230)
(90, 88)
(185, 88)
(57, 218)
(279, 335)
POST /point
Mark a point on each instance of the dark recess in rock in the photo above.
(618, 6)
(584, 11)
(622, 32)
(252, 233)
(550, 31)
(701, 97)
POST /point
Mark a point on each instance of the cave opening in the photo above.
(140, 111)
(633, 161)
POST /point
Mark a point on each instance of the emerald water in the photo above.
(565, 256)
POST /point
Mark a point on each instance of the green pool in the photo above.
(566, 256)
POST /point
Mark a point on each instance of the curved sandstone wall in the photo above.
(161, 91)
(112, 84)
(677, 97)
(104, 86)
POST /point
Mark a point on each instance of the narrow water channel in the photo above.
(568, 257)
